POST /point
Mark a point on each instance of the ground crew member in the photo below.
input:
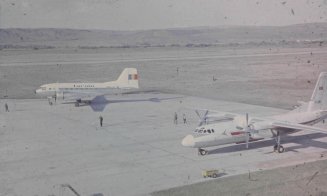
(6, 107)
(175, 118)
(184, 118)
(101, 120)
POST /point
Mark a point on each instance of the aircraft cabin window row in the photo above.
(85, 86)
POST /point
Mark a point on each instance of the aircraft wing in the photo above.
(297, 126)
(86, 95)
(98, 103)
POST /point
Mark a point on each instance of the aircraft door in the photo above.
(60, 95)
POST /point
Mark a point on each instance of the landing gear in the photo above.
(278, 147)
(77, 103)
(202, 152)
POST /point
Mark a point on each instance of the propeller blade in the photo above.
(206, 113)
(202, 119)
(247, 130)
(198, 114)
(247, 119)
(247, 138)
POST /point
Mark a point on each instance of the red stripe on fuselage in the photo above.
(237, 132)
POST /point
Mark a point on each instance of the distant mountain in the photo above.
(190, 37)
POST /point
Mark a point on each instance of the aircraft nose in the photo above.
(188, 141)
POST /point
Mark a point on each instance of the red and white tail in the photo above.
(128, 78)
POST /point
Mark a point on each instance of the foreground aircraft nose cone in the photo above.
(188, 141)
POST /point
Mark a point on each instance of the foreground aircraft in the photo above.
(221, 128)
(86, 93)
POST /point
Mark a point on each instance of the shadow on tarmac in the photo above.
(304, 141)
(99, 103)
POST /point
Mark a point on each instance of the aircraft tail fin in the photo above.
(128, 78)
(319, 95)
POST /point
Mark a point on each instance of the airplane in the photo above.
(86, 93)
(221, 128)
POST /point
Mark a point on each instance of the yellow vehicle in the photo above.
(210, 173)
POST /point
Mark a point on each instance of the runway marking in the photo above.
(157, 59)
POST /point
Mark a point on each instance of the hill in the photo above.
(190, 37)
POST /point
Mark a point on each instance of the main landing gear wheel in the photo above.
(279, 149)
(202, 152)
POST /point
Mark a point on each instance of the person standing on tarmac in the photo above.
(175, 118)
(184, 118)
(6, 107)
(101, 120)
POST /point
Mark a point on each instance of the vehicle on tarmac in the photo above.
(214, 173)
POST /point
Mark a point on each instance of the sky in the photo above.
(157, 14)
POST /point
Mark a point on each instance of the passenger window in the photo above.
(209, 131)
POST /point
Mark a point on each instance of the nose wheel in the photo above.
(202, 152)
(78, 102)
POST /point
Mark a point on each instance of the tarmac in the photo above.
(300, 179)
(138, 150)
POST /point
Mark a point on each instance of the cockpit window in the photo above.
(209, 131)
(212, 130)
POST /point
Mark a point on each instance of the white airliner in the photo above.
(220, 128)
(88, 92)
